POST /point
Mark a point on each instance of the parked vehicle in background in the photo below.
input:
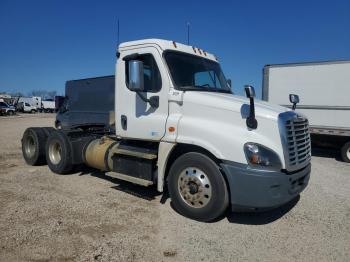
(324, 90)
(6, 109)
(6, 98)
(34, 101)
(25, 107)
(48, 106)
(88, 103)
(178, 126)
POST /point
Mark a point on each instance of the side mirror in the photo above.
(250, 91)
(294, 99)
(136, 77)
(229, 82)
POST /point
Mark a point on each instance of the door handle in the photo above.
(124, 122)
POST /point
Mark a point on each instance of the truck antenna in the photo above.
(118, 33)
(188, 33)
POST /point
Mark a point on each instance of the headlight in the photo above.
(259, 156)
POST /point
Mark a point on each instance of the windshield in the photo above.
(190, 72)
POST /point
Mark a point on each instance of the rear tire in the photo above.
(33, 146)
(345, 152)
(58, 153)
(197, 188)
(33, 111)
(10, 113)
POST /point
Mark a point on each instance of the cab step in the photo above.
(131, 179)
(134, 151)
(134, 163)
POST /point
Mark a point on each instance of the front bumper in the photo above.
(252, 189)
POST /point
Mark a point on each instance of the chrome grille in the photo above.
(296, 140)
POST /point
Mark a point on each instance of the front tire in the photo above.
(58, 153)
(197, 188)
(345, 152)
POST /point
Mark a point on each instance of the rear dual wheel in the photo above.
(197, 187)
(58, 153)
(33, 145)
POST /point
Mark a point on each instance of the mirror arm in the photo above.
(144, 99)
(251, 120)
(151, 101)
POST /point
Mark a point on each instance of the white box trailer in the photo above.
(48, 106)
(34, 101)
(324, 91)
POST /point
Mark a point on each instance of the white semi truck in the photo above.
(324, 91)
(176, 125)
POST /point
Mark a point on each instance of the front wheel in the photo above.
(197, 188)
(345, 152)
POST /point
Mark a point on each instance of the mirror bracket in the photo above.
(251, 121)
(153, 100)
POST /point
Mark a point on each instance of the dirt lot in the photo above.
(90, 217)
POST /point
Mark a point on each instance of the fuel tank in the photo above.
(97, 153)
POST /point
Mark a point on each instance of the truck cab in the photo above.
(179, 127)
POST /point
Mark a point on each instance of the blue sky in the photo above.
(45, 43)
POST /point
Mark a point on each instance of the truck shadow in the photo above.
(263, 217)
(146, 193)
(326, 152)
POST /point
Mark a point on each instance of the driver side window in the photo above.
(152, 78)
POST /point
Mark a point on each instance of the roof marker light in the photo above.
(174, 44)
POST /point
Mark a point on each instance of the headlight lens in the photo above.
(260, 156)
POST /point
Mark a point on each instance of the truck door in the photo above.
(135, 118)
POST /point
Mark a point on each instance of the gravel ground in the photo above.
(91, 217)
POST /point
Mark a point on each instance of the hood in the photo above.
(234, 103)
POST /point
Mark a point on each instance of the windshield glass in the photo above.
(190, 72)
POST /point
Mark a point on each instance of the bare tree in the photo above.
(51, 94)
(19, 94)
(44, 94)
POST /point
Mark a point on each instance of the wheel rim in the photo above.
(194, 187)
(29, 146)
(55, 152)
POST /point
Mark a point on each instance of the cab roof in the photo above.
(168, 45)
